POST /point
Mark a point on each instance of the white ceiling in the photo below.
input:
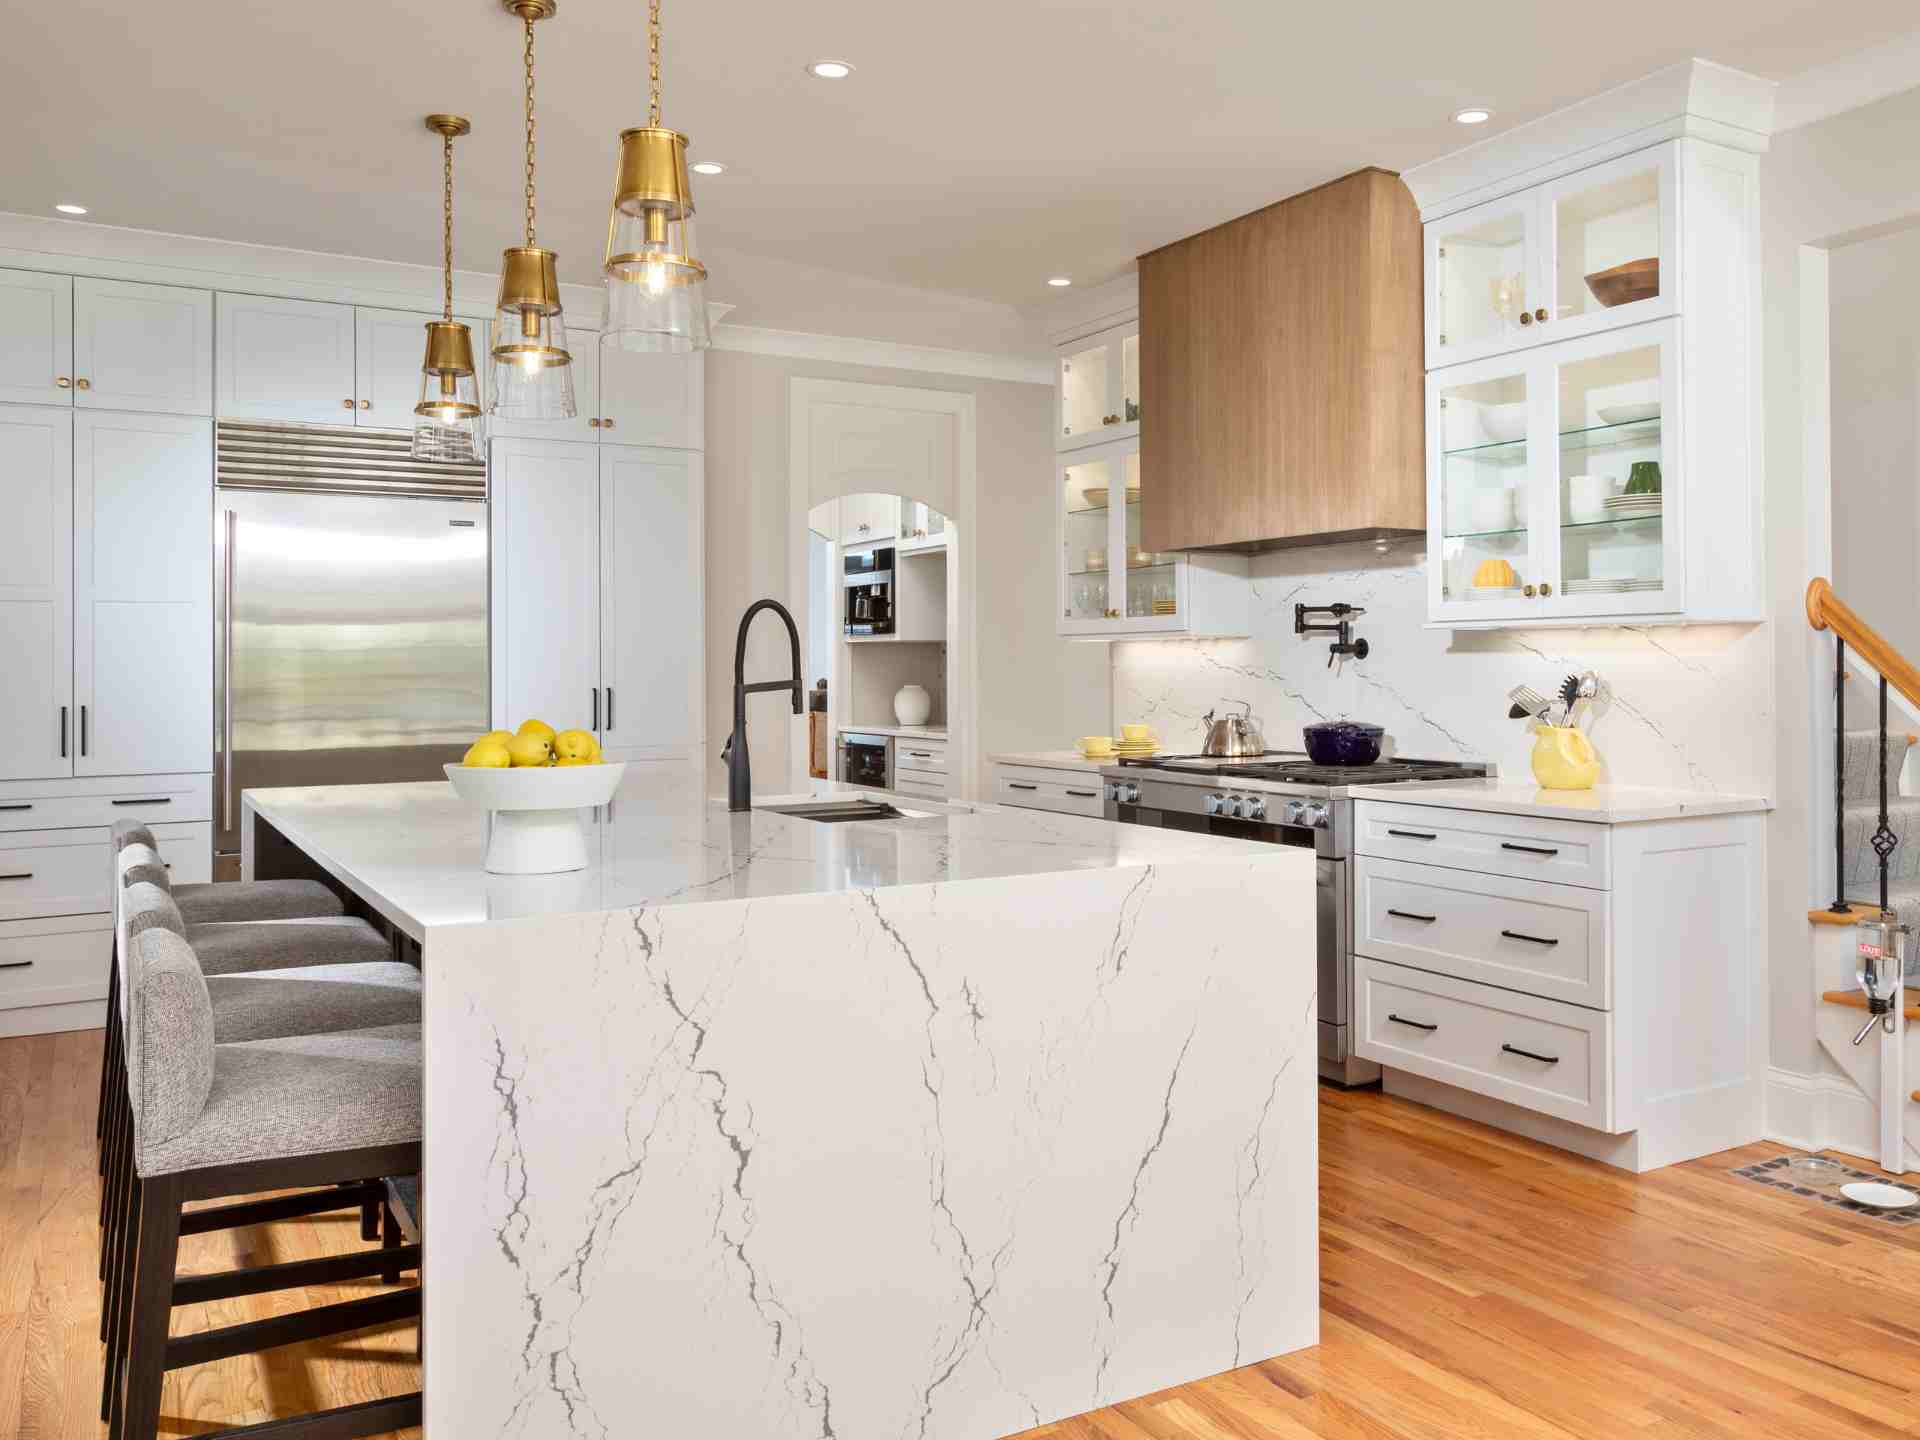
(978, 148)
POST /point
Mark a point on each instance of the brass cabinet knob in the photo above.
(1526, 317)
(1545, 590)
(346, 404)
(1529, 592)
(606, 422)
(366, 404)
(83, 384)
(1541, 314)
(593, 422)
(62, 381)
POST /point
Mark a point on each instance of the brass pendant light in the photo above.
(446, 422)
(532, 368)
(656, 289)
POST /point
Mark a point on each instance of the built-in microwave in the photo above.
(868, 585)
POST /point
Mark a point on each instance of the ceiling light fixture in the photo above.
(1473, 115)
(532, 367)
(446, 422)
(71, 209)
(656, 288)
(707, 167)
(1060, 282)
(830, 69)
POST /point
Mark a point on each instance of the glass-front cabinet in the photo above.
(1592, 251)
(1108, 583)
(1555, 481)
(1098, 390)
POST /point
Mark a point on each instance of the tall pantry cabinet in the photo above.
(106, 480)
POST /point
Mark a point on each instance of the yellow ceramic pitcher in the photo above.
(1564, 759)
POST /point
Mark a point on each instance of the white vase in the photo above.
(912, 705)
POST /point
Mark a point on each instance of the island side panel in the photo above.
(942, 1161)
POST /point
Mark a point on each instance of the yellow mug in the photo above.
(1136, 732)
(1564, 759)
(1096, 744)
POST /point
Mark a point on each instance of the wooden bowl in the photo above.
(1623, 284)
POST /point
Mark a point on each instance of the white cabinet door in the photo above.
(546, 592)
(584, 346)
(648, 399)
(143, 593)
(142, 347)
(285, 360)
(36, 338)
(869, 520)
(390, 345)
(36, 592)
(652, 624)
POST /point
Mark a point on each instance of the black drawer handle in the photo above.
(150, 800)
(16, 807)
(1543, 1059)
(1016, 785)
(15, 964)
(1530, 939)
(23, 875)
(1526, 849)
(1416, 1024)
(1413, 835)
(1084, 794)
(921, 754)
(1409, 915)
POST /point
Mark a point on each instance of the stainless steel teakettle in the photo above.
(1232, 736)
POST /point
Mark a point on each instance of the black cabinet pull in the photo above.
(1526, 849)
(921, 754)
(1530, 939)
(83, 731)
(1416, 1024)
(15, 964)
(1084, 794)
(609, 707)
(149, 800)
(22, 806)
(1543, 1059)
(20, 875)
(1409, 915)
(1413, 835)
(63, 732)
(1016, 785)
(594, 724)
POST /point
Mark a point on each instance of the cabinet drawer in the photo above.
(1546, 940)
(1539, 1054)
(1571, 852)
(926, 785)
(56, 805)
(1049, 790)
(52, 962)
(910, 754)
(55, 872)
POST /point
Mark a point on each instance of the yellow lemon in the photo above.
(500, 735)
(573, 760)
(576, 745)
(530, 750)
(536, 727)
(487, 753)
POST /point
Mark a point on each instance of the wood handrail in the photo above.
(1827, 611)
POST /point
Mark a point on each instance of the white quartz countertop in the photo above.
(904, 732)
(415, 851)
(1052, 760)
(1603, 804)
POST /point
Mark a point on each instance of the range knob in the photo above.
(1212, 804)
(1231, 807)
(1126, 792)
(1291, 812)
(1256, 807)
(1315, 814)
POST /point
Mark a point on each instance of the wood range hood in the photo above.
(1281, 357)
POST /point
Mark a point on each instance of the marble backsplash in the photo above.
(1689, 706)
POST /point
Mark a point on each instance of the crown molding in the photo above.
(1848, 83)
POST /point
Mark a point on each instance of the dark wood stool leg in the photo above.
(107, 1059)
(113, 1307)
(370, 1220)
(390, 1239)
(150, 1307)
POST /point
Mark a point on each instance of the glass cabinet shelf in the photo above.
(1590, 437)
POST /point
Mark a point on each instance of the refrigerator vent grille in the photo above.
(337, 460)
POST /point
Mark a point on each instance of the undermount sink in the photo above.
(838, 812)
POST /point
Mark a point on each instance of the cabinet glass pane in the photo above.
(1483, 489)
(1150, 577)
(1084, 391)
(1607, 244)
(1483, 280)
(1610, 474)
(1086, 534)
(1130, 378)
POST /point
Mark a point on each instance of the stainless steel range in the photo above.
(1283, 798)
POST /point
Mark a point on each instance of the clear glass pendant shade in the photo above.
(532, 367)
(447, 423)
(656, 285)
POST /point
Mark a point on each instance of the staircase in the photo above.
(1860, 818)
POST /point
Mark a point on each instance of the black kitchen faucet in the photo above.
(739, 772)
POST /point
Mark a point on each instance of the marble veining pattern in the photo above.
(939, 1161)
(1687, 707)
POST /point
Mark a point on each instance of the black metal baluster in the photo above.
(1839, 906)
(1885, 842)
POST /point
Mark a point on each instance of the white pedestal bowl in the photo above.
(536, 812)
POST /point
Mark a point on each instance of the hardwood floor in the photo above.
(1474, 1285)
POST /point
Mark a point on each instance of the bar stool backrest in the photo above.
(169, 1030)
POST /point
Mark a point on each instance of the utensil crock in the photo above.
(1564, 759)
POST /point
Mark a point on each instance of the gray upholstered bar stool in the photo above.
(212, 1119)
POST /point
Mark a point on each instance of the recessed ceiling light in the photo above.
(1060, 282)
(71, 209)
(1473, 115)
(830, 69)
(707, 167)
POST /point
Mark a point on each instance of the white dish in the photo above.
(1504, 423)
(1881, 1197)
(1628, 414)
(536, 812)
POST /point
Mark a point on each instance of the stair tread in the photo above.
(1854, 1000)
(1894, 737)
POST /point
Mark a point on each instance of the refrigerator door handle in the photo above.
(226, 672)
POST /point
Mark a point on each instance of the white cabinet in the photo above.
(36, 338)
(1097, 394)
(142, 347)
(921, 527)
(648, 399)
(870, 519)
(285, 360)
(36, 591)
(652, 542)
(143, 593)
(584, 346)
(598, 565)
(388, 348)
(1038, 787)
(1592, 401)
(1109, 588)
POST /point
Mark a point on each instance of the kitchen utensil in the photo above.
(1564, 759)
(1532, 700)
(1569, 692)
(1623, 284)
(1629, 414)
(1644, 478)
(1343, 742)
(1881, 1197)
(1232, 735)
(912, 705)
(1504, 424)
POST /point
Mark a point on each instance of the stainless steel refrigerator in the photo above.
(350, 613)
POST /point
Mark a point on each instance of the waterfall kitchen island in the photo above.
(946, 1125)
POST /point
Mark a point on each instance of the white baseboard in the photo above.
(1821, 1112)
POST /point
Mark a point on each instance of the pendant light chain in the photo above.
(653, 48)
(529, 62)
(446, 224)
